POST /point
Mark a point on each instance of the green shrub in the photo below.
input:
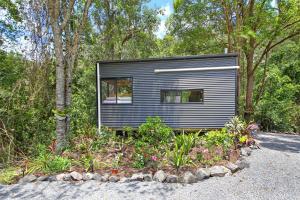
(177, 157)
(139, 161)
(235, 125)
(186, 142)
(219, 138)
(48, 163)
(154, 131)
(8, 175)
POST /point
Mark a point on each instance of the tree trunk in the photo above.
(250, 84)
(60, 92)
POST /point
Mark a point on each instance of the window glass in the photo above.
(191, 96)
(170, 96)
(124, 87)
(182, 96)
(116, 90)
(108, 89)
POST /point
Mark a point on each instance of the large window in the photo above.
(116, 90)
(181, 96)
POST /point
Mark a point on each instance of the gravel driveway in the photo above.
(273, 173)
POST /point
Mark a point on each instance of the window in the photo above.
(116, 90)
(181, 96)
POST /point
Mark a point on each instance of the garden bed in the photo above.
(153, 149)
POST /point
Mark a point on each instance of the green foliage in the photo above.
(48, 163)
(139, 161)
(279, 106)
(219, 138)
(235, 125)
(243, 139)
(8, 175)
(178, 157)
(154, 131)
(186, 142)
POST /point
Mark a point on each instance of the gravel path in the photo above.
(273, 173)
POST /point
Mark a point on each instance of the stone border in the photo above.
(160, 176)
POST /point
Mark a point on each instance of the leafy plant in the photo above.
(154, 131)
(177, 157)
(185, 141)
(139, 161)
(235, 125)
(219, 138)
(47, 162)
(243, 139)
(8, 175)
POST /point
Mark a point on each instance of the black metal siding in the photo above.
(219, 92)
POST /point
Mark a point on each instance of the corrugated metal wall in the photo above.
(219, 93)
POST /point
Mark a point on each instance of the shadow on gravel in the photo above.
(284, 143)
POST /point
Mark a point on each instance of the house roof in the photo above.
(169, 58)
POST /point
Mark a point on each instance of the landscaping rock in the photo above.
(97, 177)
(202, 173)
(137, 177)
(232, 167)
(160, 176)
(105, 178)
(60, 177)
(67, 177)
(218, 171)
(147, 177)
(76, 176)
(172, 179)
(52, 178)
(114, 179)
(28, 178)
(124, 180)
(43, 178)
(188, 177)
(242, 164)
(87, 176)
(245, 151)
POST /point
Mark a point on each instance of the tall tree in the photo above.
(67, 19)
(252, 28)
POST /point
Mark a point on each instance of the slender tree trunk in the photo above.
(60, 91)
(249, 88)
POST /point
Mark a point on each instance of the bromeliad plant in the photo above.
(178, 157)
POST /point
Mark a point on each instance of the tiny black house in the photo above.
(186, 92)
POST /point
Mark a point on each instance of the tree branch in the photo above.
(67, 14)
(270, 46)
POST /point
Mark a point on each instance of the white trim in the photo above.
(195, 69)
(99, 96)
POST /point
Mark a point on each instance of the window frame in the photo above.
(116, 89)
(180, 90)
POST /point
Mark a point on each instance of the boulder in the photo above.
(202, 173)
(172, 179)
(114, 179)
(28, 179)
(189, 178)
(147, 177)
(218, 171)
(60, 177)
(160, 176)
(124, 180)
(76, 176)
(87, 176)
(137, 177)
(43, 178)
(97, 177)
(52, 178)
(105, 177)
(242, 164)
(232, 167)
(67, 177)
(245, 151)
